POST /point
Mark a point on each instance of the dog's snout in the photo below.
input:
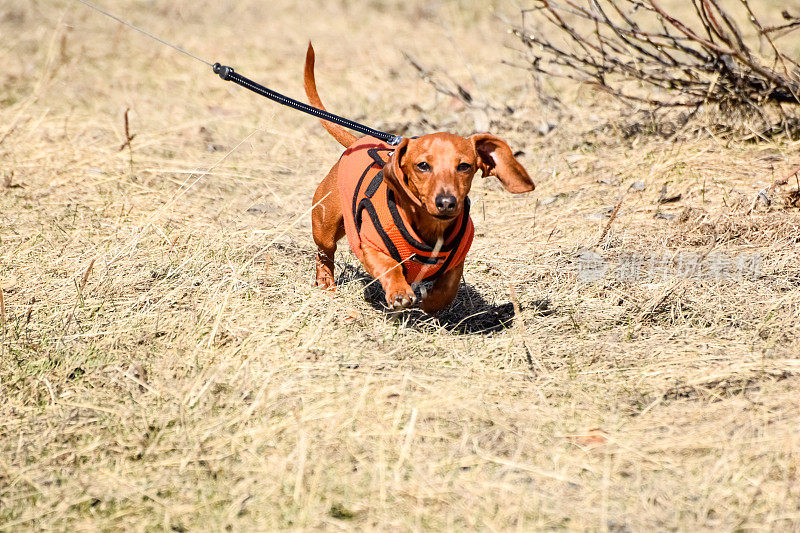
(446, 204)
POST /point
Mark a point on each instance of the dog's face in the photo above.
(435, 171)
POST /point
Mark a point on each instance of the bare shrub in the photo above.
(722, 55)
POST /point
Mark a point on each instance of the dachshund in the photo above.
(404, 208)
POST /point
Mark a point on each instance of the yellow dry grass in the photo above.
(166, 363)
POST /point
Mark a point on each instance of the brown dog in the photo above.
(404, 208)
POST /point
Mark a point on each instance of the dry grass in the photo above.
(166, 363)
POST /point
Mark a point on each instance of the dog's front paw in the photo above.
(324, 279)
(325, 282)
(401, 298)
(326, 285)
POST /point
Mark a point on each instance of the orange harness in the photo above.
(364, 191)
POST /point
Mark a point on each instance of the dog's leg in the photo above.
(399, 294)
(444, 291)
(327, 226)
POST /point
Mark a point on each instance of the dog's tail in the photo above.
(344, 137)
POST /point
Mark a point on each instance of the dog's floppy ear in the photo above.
(496, 159)
(394, 174)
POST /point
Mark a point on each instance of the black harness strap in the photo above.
(370, 191)
(373, 153)
(366, 205)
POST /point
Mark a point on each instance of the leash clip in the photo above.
(223, 71)
(395, 140)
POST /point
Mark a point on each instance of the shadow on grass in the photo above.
(469, 314)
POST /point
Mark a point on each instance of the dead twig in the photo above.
(2, 322)
(764, 194)
(85, 276)
(453, 89)
(533, 362)
(611, 220)
(128, 139)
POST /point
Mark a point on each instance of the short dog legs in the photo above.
(399, 294)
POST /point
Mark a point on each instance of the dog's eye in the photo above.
(464, 167)
(423, 167)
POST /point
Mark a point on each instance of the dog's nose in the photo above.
(446, 204)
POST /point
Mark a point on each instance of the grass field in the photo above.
(167, 365)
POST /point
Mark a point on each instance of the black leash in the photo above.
(228, 74)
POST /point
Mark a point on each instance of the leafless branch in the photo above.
(452, 88)
(704, 57)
